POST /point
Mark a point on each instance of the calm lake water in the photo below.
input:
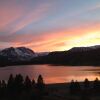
(52, 74)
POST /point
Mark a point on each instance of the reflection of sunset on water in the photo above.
(53, 74)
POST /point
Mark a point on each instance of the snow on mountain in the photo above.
(20, 53)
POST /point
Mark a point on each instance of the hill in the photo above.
(81, 56)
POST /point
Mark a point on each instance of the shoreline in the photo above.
(61, 91)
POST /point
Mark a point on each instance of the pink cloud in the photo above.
(9, 13)
(49, 41)
(33, 16)
(14, 17)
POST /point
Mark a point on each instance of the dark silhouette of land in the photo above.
(77, 56)
(17, 88)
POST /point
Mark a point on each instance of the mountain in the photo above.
(84, 49)
(42, 54)
(17, 54)
(74, 56)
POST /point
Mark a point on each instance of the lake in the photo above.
(52, 74)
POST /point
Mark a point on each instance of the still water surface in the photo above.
(52, 74)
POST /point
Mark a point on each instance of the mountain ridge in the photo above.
(74, 56)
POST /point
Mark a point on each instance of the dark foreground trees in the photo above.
(17, 88)
(85, 89)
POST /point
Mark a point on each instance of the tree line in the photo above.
(85, 89)
(18, 88)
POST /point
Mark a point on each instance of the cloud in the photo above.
(55, 28)
(9, 12)
(19, 16)
(55, 39)
(31, 17)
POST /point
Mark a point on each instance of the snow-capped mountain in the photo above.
(75, 56)
(20, 54)
(16, 54)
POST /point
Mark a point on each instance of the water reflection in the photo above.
(53, 74)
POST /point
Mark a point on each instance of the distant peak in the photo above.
(86, 48)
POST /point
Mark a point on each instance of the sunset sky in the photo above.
(49, 25)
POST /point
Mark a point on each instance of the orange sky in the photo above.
(49, 25)
(85, 35)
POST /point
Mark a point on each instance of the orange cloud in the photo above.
(80, 36)
(61, 39)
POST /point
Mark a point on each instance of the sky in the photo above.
(49, 25)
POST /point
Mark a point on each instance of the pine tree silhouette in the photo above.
(40, 87)
(27, 84)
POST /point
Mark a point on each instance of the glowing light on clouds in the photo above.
(49, 25)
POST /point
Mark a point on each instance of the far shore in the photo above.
(60, 91)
